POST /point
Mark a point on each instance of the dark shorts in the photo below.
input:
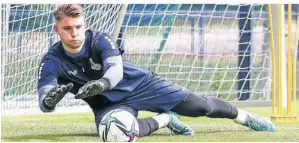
(156, 94)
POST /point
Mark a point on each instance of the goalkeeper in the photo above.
(88, 64)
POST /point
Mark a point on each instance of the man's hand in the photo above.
(92, 88)
(56, 94)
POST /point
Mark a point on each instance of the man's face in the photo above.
(71, 31)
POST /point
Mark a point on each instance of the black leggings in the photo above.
(193, 106)
(210, 106)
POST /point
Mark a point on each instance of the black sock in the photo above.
(147, 126)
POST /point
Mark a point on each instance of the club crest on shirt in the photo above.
(95, 66)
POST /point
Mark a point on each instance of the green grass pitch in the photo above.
(80, 127)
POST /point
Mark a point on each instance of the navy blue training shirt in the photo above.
(60, 67)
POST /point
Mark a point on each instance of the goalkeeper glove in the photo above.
(93, 88)
(56, 94)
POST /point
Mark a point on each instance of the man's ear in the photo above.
(85, 25)
(55, 28)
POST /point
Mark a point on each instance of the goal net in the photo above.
(211, 49)
(218, 50)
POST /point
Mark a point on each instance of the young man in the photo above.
(89, 64)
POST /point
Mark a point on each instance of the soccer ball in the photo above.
(118, 126)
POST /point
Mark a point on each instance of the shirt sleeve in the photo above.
(106, 47)
(115, 72)
(111, 56)
(47, 79)
(47, 74)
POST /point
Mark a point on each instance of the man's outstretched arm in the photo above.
(111, 78)
(49, 92)
(50, 95)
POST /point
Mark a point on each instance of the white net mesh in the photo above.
(198, 47)
(220, 50)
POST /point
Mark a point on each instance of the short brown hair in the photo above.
(70, 10)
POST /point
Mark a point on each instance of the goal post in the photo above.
(284, 92)
(119, 22)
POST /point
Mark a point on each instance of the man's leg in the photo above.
(146, 125)
(210, 106)
(151, 124)
(213, 107)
